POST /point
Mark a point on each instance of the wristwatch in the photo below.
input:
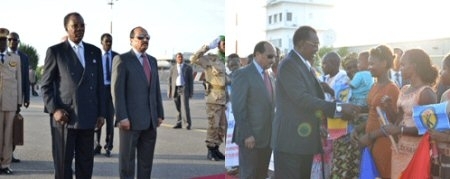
(338, 107)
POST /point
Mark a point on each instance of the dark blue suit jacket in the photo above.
(24, 64)
(300, 107)
(67, 85)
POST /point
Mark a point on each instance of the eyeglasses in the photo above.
(141, 37)
(270, 56)
(314, 44)
(13, 39)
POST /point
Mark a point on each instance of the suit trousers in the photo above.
(182, 104)
(254, 163)
(109, 123)
(289, 165)
(65, 143)
(142, 140)
(6, 137)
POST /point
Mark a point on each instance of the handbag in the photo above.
(18, 129)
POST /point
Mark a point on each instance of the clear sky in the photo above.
(174, 25)
(381, 21)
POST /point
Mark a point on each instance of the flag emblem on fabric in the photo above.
(433, 116)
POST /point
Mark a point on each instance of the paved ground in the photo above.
(180, 153)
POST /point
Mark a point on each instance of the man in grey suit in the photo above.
(253, 110)
(137, 101)
(181, 88)
(300, 108)
(73, 93)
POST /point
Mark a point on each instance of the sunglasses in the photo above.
(13, 39)
(141, 37)
(270, 56)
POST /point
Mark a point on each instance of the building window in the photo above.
(276, 42)
(281, 17)
(270, 19)
(275, 18)
(289, 16)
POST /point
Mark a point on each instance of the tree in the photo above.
(33, 56)
(343, 51)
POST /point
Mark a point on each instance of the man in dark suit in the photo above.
(181, 88)
(108, 55)
(253, 110)
(300, 107)
(13, 43)
(137, 101)
(74, 95)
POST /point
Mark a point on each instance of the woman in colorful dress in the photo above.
(380, 61)
(415, 67)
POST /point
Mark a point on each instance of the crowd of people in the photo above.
(310, 121)
(308, 102)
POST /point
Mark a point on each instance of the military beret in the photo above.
(4, 32)
(222, 38)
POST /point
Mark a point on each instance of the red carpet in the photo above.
(217, 176)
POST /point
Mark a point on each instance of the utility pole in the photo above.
(111, 3)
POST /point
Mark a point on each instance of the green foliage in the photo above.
(33, 56)
(343, 51)
(39, 72)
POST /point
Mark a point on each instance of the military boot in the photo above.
(218, 153)
(212, 154)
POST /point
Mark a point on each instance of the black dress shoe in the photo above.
(6, 170)
(178, 126)
(188, 127)
(108, 153)
(97, 150)
(15, 160)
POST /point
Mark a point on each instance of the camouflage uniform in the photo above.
(216, 96)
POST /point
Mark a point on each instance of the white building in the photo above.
(283, 17)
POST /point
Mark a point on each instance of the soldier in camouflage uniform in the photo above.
(216, 96)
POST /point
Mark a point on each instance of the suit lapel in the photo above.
(73, 63)
(257, 75)
(307, 73)
(136, 64)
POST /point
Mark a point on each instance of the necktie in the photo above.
(2, 57)
(79, 50)
(268, 85)
(146, 65)
(108, 67)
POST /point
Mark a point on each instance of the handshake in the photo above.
(215, 43)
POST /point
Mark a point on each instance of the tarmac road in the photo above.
(179, 153)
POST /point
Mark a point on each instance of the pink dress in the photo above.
(407, 145)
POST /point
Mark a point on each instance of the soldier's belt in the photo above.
(217, 87)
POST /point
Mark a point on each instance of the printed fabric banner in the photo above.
(343, 92)
(231, 149)
(433, 116)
